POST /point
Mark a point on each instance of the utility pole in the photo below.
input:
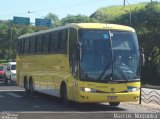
(130, 14)
(124, 2)
(10, 50)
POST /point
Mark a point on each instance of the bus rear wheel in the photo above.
(31, 87)
(26, 86)
(114, 103)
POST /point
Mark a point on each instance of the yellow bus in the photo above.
(81, 62)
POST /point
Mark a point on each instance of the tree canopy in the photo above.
(77, 19)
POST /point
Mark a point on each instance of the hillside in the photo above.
(113, 12)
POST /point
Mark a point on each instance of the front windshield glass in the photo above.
(108, 56)
(13, 67)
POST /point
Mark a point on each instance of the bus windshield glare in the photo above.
(109, 56)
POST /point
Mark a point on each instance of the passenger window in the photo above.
(39, 44)
(45, 43)
(32, 45)
(53, 42)
(63, 41)
(23, 46)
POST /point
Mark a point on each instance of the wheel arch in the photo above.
(63, 83)
(25, 79)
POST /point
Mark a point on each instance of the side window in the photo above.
(72, 51)
(49, 42)
(26, 45)
(32, 45)
(39, 44)
(29, 45)
(19, 46)
(23, 46)
(45, 42)
(57, 40)
(53, 42)
(63, 41)
(35, 47)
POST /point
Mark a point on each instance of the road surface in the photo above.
(14, 102)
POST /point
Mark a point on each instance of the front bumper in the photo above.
(107, 97)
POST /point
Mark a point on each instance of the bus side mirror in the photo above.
(142, 57)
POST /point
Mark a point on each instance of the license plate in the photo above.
(112, 98)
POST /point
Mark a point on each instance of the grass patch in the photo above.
(3, 61)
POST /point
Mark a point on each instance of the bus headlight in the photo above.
(88, 89)
(132, 89)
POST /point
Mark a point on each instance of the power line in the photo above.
(62, 7)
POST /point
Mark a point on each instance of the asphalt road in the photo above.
(14, 103)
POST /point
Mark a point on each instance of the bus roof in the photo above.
(84, 26)
(104, 26)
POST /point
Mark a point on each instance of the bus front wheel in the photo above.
(114, 103)
(64, 95)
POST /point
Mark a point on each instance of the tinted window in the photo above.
(53, 42)
(32, 45)
(13, 67)
(26, 45)
(23, 45)
(45, 42)
(39, 44)
(63, 41)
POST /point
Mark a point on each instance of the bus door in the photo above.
(73, 60)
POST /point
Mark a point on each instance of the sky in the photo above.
(40, 8)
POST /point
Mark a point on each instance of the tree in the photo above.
(77, 19)
(8, 38)
(54, 18)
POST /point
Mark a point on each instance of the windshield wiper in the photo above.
(105, 69)
(116, 66)
(121, 72)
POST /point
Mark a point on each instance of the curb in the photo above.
(151, 87)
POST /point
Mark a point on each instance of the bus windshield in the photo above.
(108, 56)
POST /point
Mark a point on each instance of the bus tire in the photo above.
(26, 86)
(114, 103)
(31, 87)
(64, 95)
